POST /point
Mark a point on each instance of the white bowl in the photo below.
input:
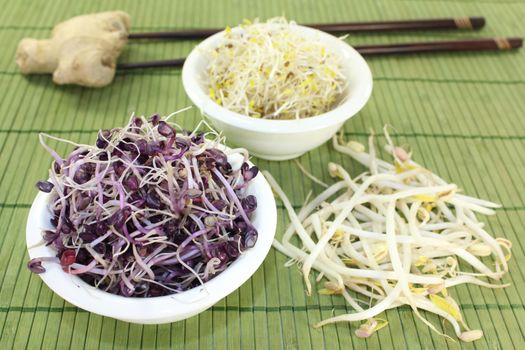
(163, 309)
(280, 139)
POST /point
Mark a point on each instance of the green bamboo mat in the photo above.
(463, 115)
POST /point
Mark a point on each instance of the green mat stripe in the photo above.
(281, 308)
(279, 206)
(167, 72)
(360, 134)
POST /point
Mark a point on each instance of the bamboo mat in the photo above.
(463, 115)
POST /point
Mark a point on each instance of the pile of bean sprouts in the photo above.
(395, 235)
(269, 70)
(149, 210)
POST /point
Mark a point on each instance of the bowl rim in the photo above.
(162, 309)
(339, 114)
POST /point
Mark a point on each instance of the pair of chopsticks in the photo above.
(459, 23)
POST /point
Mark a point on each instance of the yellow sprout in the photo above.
(446, 306)
(288, 56)
(330, 72)
(402, 167)
(421, 261)
(338, 236)
(425, 198)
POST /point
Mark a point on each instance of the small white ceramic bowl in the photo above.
(280, 139)
(163, 309)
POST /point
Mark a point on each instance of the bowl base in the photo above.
(277, 157)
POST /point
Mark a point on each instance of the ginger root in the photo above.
(82, 50)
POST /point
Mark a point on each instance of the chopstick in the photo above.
(491, 44)
(355, 27)
(177, 62)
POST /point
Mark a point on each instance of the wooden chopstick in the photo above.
(177, 62)
(442, 46)
(492, 44)
(382, 26)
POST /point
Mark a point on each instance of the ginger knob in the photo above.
(82, 50)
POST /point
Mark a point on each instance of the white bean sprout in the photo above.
(396, 235)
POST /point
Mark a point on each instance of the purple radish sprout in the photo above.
(148, 210)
